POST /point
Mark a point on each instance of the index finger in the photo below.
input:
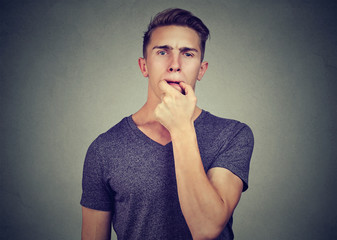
(187, 88)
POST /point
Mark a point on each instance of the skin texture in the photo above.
(172, 67)
(96, 225)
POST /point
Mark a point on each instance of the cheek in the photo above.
(156, 67)
(193, 71)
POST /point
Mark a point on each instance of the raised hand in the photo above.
(175, 112)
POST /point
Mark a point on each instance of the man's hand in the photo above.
(176, 109)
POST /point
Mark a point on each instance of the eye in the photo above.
(188, 54)
(162, 52)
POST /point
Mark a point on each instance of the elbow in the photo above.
(207, 233)
(209, 230)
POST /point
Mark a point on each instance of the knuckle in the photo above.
(157, 111)
(166, 99)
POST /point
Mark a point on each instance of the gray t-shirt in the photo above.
(132, 176)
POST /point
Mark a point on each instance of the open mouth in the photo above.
(176, 85)
(172, 82)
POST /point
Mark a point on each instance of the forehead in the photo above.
(175, 36)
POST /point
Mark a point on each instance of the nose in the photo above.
(171, 69)
(174, 64)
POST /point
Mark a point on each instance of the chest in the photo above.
(144, 173)
(139, 171)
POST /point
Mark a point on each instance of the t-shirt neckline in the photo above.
(142, 136)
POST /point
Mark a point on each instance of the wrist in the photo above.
(182, 131)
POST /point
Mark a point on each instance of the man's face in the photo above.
(173, 55)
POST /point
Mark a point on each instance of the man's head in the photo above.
(178, 17)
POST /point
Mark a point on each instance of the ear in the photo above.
(202, 70)
(143, 67)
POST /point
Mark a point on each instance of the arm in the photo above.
(207, 200)
(96, 225)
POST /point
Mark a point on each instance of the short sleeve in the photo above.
(96, 193)
(236, 154)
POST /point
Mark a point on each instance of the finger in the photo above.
(187, 89)
(166, 88)
(162, 87)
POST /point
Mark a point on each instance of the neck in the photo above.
(147, 123)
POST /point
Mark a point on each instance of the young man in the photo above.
(171, 170)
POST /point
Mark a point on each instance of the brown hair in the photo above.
(177, 17)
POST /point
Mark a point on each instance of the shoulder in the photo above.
(114, 136)
(230, 143)
(219, 127)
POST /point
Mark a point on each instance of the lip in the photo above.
(172, 81)
(175, 84)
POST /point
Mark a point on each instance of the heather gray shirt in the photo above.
(132, 176)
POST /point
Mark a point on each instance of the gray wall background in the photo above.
(69, 72)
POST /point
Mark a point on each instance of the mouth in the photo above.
(175, 84)
(172, 82)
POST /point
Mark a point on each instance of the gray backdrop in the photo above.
(69, 72)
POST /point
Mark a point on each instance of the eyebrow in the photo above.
(166, 47)
(187, 49)
(183, 49)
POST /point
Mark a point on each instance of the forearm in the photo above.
(205, 212)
